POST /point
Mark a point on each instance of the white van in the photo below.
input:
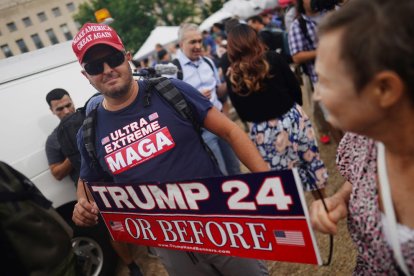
(26, 121)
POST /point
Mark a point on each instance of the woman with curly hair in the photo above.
(265, 92)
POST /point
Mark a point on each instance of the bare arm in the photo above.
(245, 150)
(304, 56)
(60, 170)
(338, 209)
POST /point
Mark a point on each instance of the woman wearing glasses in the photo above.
(366, 82)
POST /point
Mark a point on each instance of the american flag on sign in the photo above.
(105, 140)
(153, 116)
(116, 226)
(289, 237)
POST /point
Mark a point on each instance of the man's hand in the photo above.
(85, 213)
(206, 92)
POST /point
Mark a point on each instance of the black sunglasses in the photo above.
(96, 67)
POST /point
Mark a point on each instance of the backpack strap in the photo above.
(303, 27)
(180, 75)
(212, 66)
(167, 90)
(90, 98)
(174, 97)
(88, 133)
(177, 63)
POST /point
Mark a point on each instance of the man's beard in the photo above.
(120, 92)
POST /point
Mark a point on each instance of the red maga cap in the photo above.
(92, 34)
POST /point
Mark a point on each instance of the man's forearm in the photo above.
(60, 170)
(304, 56)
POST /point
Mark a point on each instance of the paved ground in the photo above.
(344, 253)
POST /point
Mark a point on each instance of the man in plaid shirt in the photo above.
(303, 44)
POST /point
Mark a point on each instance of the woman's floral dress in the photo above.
(289, 141)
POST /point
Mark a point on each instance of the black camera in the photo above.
(147, 73)
(323, 5)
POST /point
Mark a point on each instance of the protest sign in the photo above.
(258, 215)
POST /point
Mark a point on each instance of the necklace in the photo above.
(104, 105)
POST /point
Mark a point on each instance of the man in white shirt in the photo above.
(202, 74)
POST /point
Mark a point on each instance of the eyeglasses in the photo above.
(60, 108)
(96, 67)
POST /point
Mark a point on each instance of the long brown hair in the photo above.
(248, 62)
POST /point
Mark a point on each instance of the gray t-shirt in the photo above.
(54, 154)
(53, 151)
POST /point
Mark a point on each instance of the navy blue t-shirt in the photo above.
(154, 143)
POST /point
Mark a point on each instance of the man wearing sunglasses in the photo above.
(61, 105)
(126, 118)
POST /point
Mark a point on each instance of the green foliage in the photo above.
(209, 9)
(85, 14)
(174, 12)
(132, 21)
(135, 19)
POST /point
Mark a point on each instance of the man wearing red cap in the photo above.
(91, 34)
(179, 154)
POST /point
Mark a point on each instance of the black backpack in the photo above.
(166, 90)
(66, 134)
(34, 239)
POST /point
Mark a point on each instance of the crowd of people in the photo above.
(361, 72)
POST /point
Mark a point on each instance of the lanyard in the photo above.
(389, 208)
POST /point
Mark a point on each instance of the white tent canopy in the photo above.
(161, 34)
(215, 17)
(169, 34)
(240, 8)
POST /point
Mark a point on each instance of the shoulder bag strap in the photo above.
(388, 208)
(209, 62)
(88, 132)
